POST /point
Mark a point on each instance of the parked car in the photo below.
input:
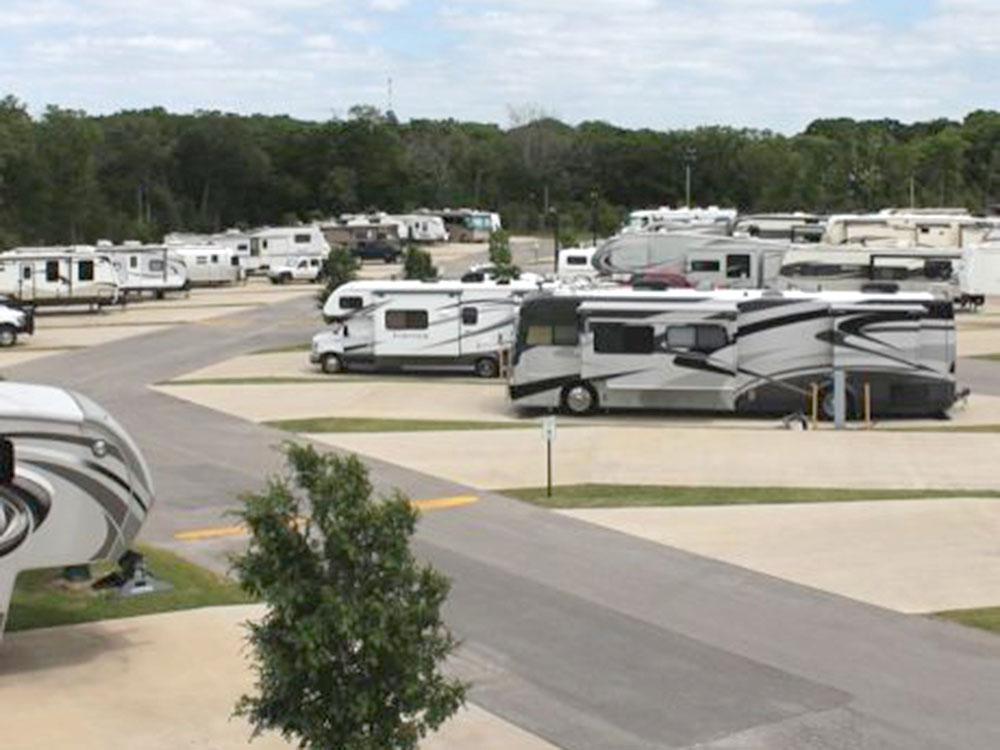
(296, 269)
(375, 250)
(14, 319)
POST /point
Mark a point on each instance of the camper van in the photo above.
(209, 265)
(74, 488)
(705, 260)
(414, 323)
(732, 351)
(278, 244)
(59, 277)
(14, 320)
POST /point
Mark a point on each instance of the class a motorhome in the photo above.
(413, 324)
(278, 244)
(59, 277)
(74, 488)
(468, 225)
(733, 351)
(704, 260)
(353, 230)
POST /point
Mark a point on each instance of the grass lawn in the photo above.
(987, 619)
(624, 496)
(364, 424)
(39, 602)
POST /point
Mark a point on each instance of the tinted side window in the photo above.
(470, 316)
(616, 338)
(705, 265)
(698, 338)
(406, 320)
(576, 260)
(351, 303)
(85, 270)
(737, 266)
(302, 239)
(52, 270)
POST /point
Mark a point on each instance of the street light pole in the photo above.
(593, 216)
(689, 156)
(554, 213)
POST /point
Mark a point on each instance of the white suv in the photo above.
(14, 320)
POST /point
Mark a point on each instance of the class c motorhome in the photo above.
(412, 324)
(74, 488)
(273, 245)
(59, 277)
(732, 351)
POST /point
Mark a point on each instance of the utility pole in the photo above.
(689, 156)
(593, 216)
(913, 192)
(554, 213)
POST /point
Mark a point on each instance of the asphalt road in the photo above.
(590, 638)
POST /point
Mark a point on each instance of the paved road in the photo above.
(590, 638)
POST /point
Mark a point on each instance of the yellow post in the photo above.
(868, 405)
(815, 404)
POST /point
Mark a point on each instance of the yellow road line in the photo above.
(224, 532)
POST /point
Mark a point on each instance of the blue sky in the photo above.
(653, 63)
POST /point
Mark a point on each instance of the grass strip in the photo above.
(365, 424)
(40, 602)
(642, 496)
(987, 618)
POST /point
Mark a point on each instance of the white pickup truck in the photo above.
(304, 268)
(14, 320)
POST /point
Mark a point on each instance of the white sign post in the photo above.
(549, 433)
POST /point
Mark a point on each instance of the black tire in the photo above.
(487, 367)
(8, 335)
(332, 364)
(579, 399)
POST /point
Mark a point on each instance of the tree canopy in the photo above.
(70, 177)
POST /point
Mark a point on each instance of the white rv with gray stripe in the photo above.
(75, 488)
(734, 351)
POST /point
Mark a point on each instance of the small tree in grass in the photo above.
(500, 257)
(349, 652)
(418, 265)
(339, 268)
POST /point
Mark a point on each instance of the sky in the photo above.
(663, 64)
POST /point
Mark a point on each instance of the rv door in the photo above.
(26, 280)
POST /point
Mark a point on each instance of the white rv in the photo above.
(735, 351)
(712, 219)
(310, 268)
(901, 228)
(576, 262)
(209, 265)
(14, 320)
(74, 488)
(58, 277)
(422, 227)
(142, 269)
(273, 245)
(792, 227)
(414, 323)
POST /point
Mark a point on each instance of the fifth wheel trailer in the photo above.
(415, 323)
(733, 351)
(74, 488)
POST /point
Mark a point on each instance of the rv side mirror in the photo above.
(6, 462)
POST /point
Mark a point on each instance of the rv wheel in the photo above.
(8, 336)
(332, 364)
(579, 399)
(486, 367)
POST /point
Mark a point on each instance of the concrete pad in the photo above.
(22, 353)
(979, 341)
(162, 682)
(692, 456)
(910, 556)
(139, 314)
(85, 336)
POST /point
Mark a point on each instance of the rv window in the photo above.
(263, 244)
(704, 266)
(254, 247)
(406, 320)
(576, 260)
(737, 266)
(351, 303)
(539, 336)
(698, 338)
(314, 263)
(52, 270)
(215, 259)
(470, 316)
(85, 270)
(565, 335)
(242, 246)
(234, 261)
(133, 262)
(27, 272)
(937, 269)
(202, 260)
(617, 338)
(156, 265)
(303, 239)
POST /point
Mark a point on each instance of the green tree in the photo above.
(500, 256)
(418, 265)
(349, 652)
(339, 268)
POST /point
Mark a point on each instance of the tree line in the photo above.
(70, 177)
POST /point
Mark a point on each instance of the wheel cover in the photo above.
(6, 337)
(579, 399)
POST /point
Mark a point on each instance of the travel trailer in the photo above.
(74, 488)
(352, 231)
(908, 229)
(209, 265)
(59, 277)
(422, 227)
(413, 323)
(703, 259)
(277, 244)
(793, 227)
(733, 351)
(14, 320)
(142, 269)
(713, 219)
